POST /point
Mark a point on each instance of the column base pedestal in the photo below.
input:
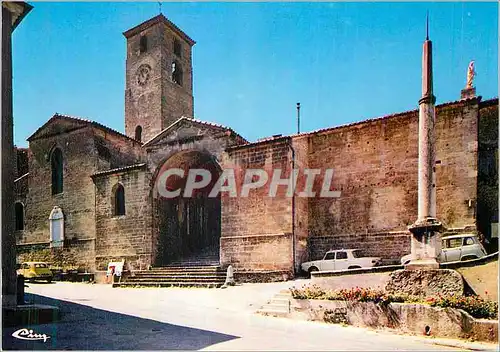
(425, 244)
(422, 264)
(468, 93)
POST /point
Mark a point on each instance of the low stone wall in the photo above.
(409, 318)
(393, 279)
(481, 275)
(376, 277)
(482, 279)
(347, 280)
(425, 283)
(100, 277)
(262, 276)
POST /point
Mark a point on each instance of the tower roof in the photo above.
(18, 9)
(155, 20)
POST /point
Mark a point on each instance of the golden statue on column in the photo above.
(471, 73)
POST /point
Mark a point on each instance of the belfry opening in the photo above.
(188, 226)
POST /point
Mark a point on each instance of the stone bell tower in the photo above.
(159, 78)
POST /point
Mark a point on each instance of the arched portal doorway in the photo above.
(188, 226)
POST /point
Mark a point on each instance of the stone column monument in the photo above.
(426, 239)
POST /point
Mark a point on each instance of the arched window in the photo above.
(177, 47)
(143, 44)
(176, 73)
(57, 171)
(119, 200)
(19, 210)
(138, 133)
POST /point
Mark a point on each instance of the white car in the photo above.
(456, 248)
(341, 259)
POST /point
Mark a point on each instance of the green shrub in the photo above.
(474, 305)
(308, 292)
(353, 294)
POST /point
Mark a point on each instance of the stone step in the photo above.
(179, 271)
(179, 275)
(193, 267)
(198, 258)
(282, 301)
(276, 306)
(196, 263)
(199, 274)
(273, 313)
(175, 279)
(168, 284)
(282, 296)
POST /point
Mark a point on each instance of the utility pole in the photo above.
(298, 118)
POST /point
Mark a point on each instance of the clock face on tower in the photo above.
(143, 73)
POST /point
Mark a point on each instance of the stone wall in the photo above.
(487, 178)
(418, 319)
(159, 102)
(301, 204)
(77, 200)
(86, 149)
(256, 230)
(393, 244)
(177, 99)
(376, 164)
(257, 253)
(116, 151)
(456, 163)
(143, 102)
(21, 162)
(126, 236)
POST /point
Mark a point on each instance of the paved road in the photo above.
(100, 317)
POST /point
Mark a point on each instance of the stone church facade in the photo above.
(104, 181)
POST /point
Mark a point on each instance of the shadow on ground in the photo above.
(86, 328)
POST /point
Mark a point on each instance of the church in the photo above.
(88, 192)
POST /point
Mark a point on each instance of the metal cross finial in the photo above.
(159, 5)
(427, 26)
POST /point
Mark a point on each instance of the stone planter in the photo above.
(409, 318)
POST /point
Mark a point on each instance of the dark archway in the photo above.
(188, 227)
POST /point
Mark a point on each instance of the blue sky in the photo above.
(253, 62)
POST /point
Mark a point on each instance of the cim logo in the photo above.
(25, 334)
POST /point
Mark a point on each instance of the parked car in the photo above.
(456, 248)
(35, 271)
(340, 260)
